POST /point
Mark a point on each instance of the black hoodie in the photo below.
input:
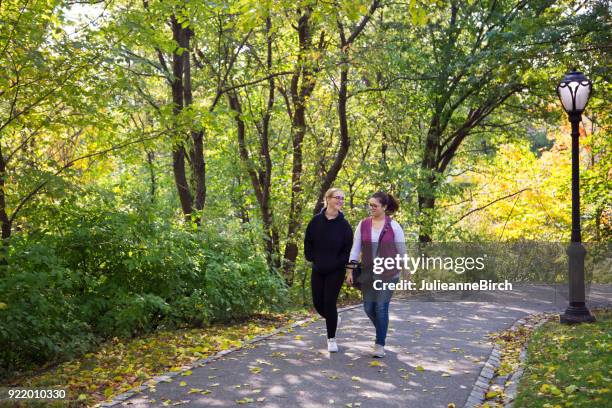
(328, 243)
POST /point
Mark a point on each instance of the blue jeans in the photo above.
(378, 312)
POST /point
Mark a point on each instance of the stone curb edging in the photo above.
(487, 374)
(510, 385)
(167, 377)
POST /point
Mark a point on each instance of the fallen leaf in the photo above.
(491, 394)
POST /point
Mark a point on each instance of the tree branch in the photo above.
(487, 205)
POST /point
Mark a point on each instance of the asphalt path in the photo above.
(435, 352)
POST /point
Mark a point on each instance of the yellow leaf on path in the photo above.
(355, 378)
(194, 390)
(183, 383)
(375, 363)
(186, 373)
(419, 368)
(255, 370)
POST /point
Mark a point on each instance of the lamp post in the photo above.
(574, 92)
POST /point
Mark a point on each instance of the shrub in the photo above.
(105, 272)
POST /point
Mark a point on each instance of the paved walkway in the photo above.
(435, 352)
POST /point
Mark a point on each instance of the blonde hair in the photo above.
(330, 193)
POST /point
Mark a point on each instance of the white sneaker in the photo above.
(332, 347)
(379, 351)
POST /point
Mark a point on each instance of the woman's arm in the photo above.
(400, 239)
(356, 249)
(308, 243)
(400, 244)
(355, 252)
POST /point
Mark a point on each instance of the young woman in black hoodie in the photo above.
(327, 245)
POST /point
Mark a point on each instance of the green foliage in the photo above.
(102, 272)
(40, 319)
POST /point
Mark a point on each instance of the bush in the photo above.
(104, 272)
(39, 319)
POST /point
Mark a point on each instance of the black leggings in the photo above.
(325, 290)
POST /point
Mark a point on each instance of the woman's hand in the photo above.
(349, 278)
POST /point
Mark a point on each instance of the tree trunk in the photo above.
(4, 218)
(178, 151)
(192, 198)
(272, 238)
(260, 178)
(196, 153)
(427, 183)
(427, 204)
(302, 85)
(344, 47)
(332, 173)
(150, 162)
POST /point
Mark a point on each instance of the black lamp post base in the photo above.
(576, 314)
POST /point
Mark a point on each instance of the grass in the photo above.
(121, 364)
(569, 366)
